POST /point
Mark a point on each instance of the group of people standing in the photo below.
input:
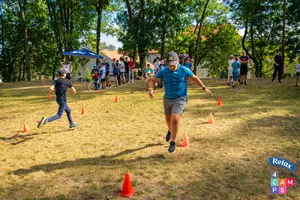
(238, 69)
(123, 72)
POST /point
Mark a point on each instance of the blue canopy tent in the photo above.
(83, 53)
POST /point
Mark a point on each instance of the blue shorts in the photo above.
(235, 76)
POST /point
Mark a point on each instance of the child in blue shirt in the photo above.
(235, 70)
(102, 76)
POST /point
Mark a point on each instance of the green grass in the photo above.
(226, 160)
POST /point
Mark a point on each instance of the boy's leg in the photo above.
(274, 73)
(68, 111)
(130, 75)
(96, 84)
(61, 109)
(175, 118)
(168, 120)
(297, 79)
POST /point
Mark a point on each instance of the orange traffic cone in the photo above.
(127, 190)
(116, 99)
(185, 142)
(26, 128)
(210, 119)
(49, 97)
(82, 110)
(219, 102)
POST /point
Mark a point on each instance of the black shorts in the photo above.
(244, 70)
(297, 73)
(106, 74)
(102, 80)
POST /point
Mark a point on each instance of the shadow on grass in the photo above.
(102, 160)
(24, 138)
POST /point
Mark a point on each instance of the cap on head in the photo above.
(61, 71)
(172, 58)
(95, 65)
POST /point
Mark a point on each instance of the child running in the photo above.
(60, 87)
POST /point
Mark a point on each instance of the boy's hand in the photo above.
(207, 91)
(73, 90)
(151, 93)
(52, 88)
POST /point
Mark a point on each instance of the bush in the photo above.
(87, 74)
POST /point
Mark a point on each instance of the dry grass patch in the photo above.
(226, 160)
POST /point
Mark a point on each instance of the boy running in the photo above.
(60, 87)
(175, 98)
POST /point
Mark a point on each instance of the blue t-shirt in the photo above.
(188, 65)
(235, 66)
(115, 68)
(175, 81)
(106, 67)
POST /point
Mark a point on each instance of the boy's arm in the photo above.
(197, 80)
(150, 85)
(73, 90)
(52, 88)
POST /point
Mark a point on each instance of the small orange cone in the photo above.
(219, 102)
(26, 128)
(49, 97)
(127, 189)
(82, 110)
(210, 119)
(116, 99)
(185, 142)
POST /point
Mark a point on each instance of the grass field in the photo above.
(226, 160)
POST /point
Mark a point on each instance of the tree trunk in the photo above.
(3, 54)
(197, 59)
(133, 29)
(55, 28)
(283, 33)
(141, 41)
(99, 19)
(164, 30)
(54, 68)
(22, 6)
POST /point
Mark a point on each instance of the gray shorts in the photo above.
(175, 105)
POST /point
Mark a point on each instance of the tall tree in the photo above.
(100, 6)
(23, 24)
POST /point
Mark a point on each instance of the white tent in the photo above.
(88, 67)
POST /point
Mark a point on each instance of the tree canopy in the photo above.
(34, 33)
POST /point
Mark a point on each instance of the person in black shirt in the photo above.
(278, 67)
(244, 59)
(60, 87)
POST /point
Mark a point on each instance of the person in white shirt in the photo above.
(122, 71)
(230, 61)
(66, 66)
(297, 70)
(156, 66)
